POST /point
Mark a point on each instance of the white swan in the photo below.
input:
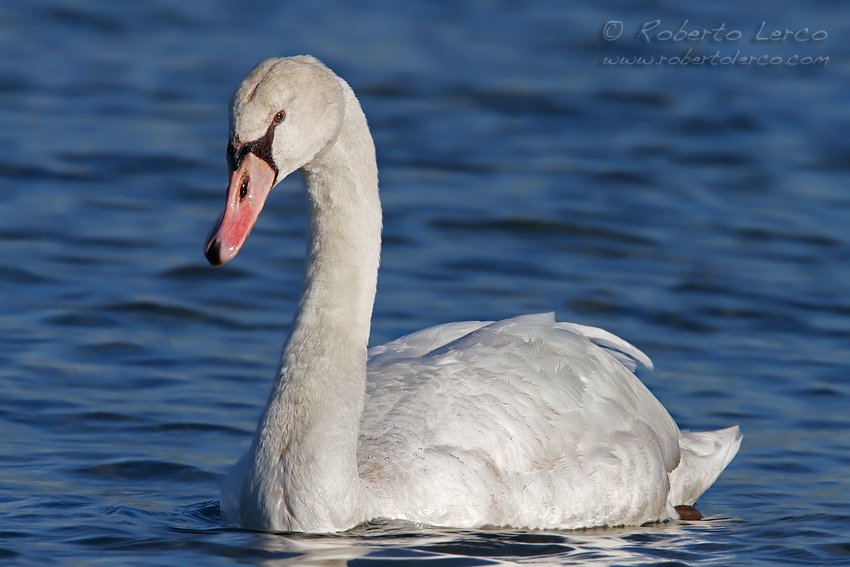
(524, 422)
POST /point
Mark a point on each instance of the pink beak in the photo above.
(246, 195)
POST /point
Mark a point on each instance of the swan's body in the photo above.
(524, 422)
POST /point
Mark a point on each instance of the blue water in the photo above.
(700, 212)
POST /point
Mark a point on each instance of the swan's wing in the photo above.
(623, 351)
(514, 403)
(426, 340)
(422, 342)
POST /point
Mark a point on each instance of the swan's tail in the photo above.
(704, 456)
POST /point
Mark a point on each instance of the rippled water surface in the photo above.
(698, 211)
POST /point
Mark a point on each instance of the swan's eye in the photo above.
(278, 118)
(243, 189)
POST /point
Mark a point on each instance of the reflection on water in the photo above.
(396, 542)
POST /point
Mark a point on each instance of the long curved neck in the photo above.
(312, 417)
(345, 241)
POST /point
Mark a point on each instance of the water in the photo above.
(699, 212)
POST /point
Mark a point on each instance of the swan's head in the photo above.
(283, 114)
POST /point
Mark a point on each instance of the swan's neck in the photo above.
(310, 426)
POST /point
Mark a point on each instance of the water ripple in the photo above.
(144, 470)
(700, 213)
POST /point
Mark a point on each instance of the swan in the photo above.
(526, 422)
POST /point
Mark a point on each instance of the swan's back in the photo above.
(522, 422)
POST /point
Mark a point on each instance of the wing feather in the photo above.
(504, 401)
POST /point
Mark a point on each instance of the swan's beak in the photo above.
(246, 195)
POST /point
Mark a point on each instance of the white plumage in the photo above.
(524, 422)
